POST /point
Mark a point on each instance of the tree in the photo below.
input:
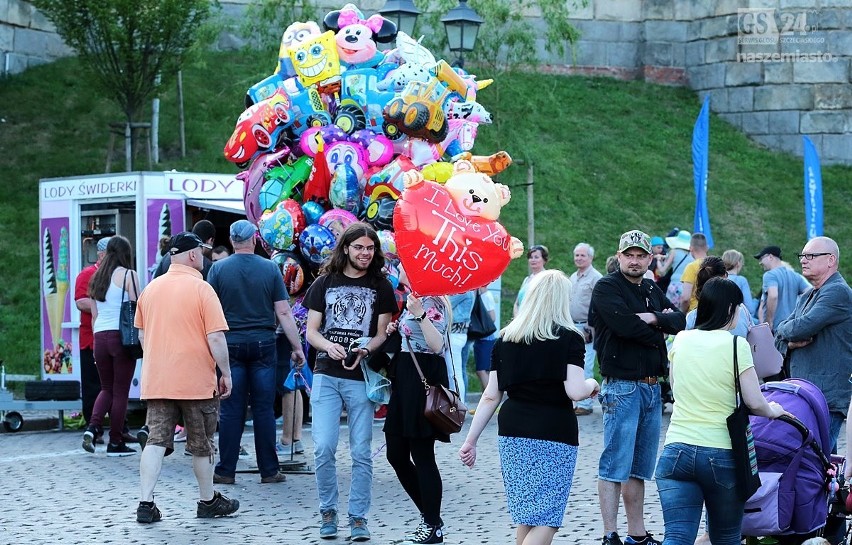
(507, 39)
(129, 47)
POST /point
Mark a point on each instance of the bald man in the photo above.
(817, 337)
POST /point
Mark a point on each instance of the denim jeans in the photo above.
(328, 397)
(688, 477)
(632, 418)
(253, 377)
(834, 424)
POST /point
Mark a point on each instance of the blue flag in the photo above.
(813, 190)
(700, 152)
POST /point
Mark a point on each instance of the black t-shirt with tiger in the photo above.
(350, 309)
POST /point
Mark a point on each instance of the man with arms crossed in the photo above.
(182, 328)
(630, 317)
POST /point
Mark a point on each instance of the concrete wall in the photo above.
(678, 42)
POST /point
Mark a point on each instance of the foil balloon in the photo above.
(292, 270)
(254, 179)
(284, 182)
(276, 227)
(392, 272)
(388, 245)
(312, 210)
(379, 213)
(297, 215)
(337, 220)
(316, 243)
(446, 248)
(345, 189)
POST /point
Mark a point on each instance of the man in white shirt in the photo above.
(583, 281)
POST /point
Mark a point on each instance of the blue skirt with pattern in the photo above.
(537, 475)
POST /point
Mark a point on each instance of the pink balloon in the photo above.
(337, 220)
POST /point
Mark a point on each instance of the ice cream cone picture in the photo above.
(55, 287)
(165, 230)
(53, 302)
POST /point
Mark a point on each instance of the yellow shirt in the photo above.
(690, 274)
(176, 312)
(702, 371)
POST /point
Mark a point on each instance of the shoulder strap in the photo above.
(681, 261)
(416, 365)
(737, 388)
(124, 283)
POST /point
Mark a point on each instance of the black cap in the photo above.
(769, 250)
(184, 242)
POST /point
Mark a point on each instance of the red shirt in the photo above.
(81, 291)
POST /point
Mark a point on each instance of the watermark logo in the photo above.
(768, 26)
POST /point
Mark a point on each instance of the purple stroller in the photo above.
(794, 470)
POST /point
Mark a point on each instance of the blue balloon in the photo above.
(316, 243)
(345, 190)
(313, 210)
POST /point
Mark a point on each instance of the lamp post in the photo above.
(402, 12)
(462, 24)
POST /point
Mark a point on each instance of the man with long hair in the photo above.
(351, 299)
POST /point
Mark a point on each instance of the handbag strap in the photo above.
(416, 365)
(737, 388)
(420, 371)
(124, 283)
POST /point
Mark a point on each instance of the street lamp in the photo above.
(462, 24)
(402, 12)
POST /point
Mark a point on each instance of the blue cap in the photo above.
(242, 230)
(657, 241)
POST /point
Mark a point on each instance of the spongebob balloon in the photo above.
(316, 60)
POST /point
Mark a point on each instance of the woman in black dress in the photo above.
(409, 436)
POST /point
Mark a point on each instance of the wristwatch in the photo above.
(420, 318)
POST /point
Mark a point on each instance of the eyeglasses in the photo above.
(358, 248)
(811, 257)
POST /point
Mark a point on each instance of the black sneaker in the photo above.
(120, 449)
(426, 533)
(221, 507)
(142, 436)
(611, 539)
(647, 540)
(147, 514)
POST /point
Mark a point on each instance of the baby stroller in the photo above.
(797, 478)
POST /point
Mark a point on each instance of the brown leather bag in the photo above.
(444, 408)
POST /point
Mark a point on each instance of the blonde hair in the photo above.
(732, 258)
(543, 310)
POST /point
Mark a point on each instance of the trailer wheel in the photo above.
(13, 421)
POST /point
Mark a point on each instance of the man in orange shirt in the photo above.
(182, 328)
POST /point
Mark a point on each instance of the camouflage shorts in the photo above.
(200, 417)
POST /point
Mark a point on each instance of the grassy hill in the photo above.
(608, 156)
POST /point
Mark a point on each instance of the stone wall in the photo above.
(678, 42)
(26, 38)
(776, 91)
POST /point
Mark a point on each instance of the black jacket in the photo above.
(627, 347)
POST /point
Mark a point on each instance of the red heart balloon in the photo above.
(443, 251)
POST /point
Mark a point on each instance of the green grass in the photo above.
(608, 156)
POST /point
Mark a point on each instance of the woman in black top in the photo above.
(538, 362)
(409, 436)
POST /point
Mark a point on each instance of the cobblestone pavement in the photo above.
(54, 492)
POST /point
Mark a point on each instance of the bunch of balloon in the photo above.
(328, 138)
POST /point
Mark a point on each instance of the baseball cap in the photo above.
(242, 230)
(635, 239)
(657, 241)
(102, 244)
(770, 250)
(184, 242)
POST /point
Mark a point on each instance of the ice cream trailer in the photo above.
(144, 207)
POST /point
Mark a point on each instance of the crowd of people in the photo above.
(219, 337)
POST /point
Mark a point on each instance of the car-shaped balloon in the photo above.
(258, 129)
